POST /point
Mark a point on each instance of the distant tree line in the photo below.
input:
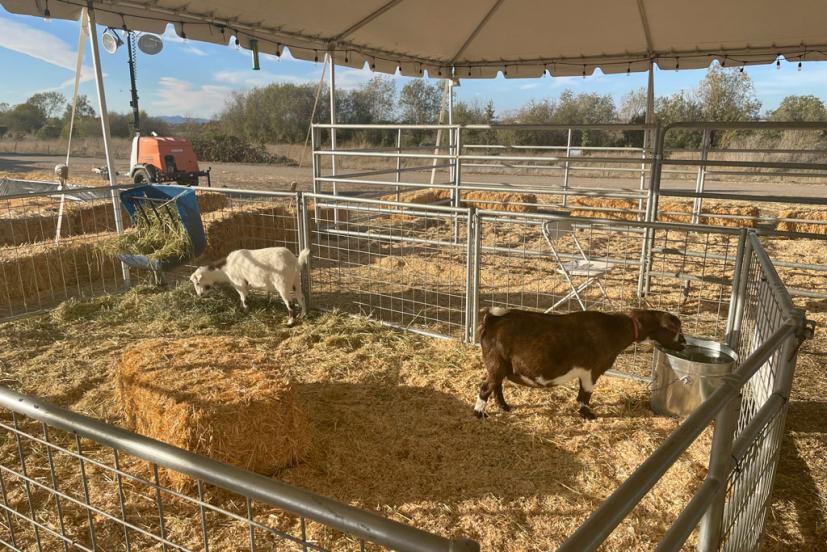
(281, 113)
(46, 115)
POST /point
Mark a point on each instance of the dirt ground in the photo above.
(798, 511)
(264, 177)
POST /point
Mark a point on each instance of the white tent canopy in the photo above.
(479, 38)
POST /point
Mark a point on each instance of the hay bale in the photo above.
(215, 396)
(668, 211)
(211, 201)
(57, 270)
(803, 215)
(78, 218)
(673, 211)
(251, 226)
(605, 207)
(516, 202)
(426, 196)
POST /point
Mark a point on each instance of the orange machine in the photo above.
(164, 159)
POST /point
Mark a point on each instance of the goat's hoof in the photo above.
(291, 323)
(586, 413)
(504, 407)
(480, 414)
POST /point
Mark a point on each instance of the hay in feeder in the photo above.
(215, 396)
(516, 202)
(799, 216)
(159, 236)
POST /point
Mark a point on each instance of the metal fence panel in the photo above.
(72, 482)
(397, 263)
(563, 264)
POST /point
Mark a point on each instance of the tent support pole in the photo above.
(104, 115)
(333, 129)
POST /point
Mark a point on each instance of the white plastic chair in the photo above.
(584, 267)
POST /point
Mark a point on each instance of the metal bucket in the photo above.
(682, 380)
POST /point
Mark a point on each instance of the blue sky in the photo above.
(192, 78)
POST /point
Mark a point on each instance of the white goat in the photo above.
(269, 269)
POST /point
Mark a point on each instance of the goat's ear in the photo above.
(669, 321)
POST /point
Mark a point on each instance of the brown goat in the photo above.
(540, 350)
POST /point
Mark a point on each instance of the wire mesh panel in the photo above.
(564, 264)
(402, 264)
(766, 308)
(50, 250)
(72, 482)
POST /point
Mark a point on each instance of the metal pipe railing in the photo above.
(363, 524)
(600, 524)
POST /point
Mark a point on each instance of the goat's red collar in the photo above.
(635, 327)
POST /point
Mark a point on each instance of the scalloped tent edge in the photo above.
(476, 39)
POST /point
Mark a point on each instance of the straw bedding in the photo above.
(391, 417)
(215, 396)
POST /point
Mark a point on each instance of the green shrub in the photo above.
(216, 146)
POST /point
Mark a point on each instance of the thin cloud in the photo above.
(255, 78)
(179, 97)
(43, 46)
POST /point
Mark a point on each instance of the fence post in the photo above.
(699, 182)
(472, 275)
(743, 263)
(720, 463)
(455, 201)
(304, 239)
(651, 214)
(398, 159)
(315, 139)
(566, 172)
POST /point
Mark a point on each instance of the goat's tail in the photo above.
(485, 315)
(304, 256)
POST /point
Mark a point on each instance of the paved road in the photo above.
(264, 177)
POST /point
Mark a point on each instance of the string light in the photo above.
(316, 56)
(778, 64)
(799, 66)
(742, 67)
(677, 64)
(628, 69)
(183, 32)
(278, 49)
(47, 13)
(373, 65)
(584, 71)
(505, 70)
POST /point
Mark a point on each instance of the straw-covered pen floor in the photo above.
(393, 429)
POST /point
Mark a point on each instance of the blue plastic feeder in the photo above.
(148, 201)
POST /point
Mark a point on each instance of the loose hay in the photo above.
(386, 407)
(215, 396)
(803, 215)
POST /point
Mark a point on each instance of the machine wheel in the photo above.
(143, 175)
